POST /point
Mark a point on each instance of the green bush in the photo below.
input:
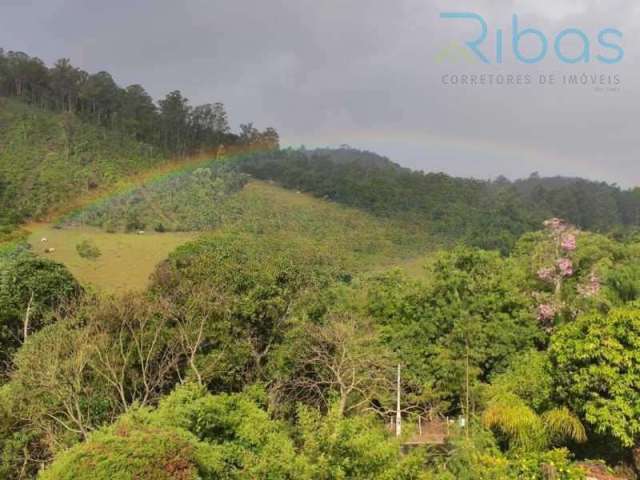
(88, 249)
(29, 284)
(130, 450)
(195, 435)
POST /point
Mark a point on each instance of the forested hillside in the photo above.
(47, 159)
(485, 214)
(171, 124)
(65, 132)
(60, 119)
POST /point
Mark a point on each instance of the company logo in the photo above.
(605, 48)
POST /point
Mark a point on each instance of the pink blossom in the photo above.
(566, 267)
(568, 242)
(546, 274)
(546, 312)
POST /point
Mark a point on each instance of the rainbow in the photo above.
(434, 145)
(446, 149)
(165, 171)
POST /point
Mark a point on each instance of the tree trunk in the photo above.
(549, 472)
(342, 406)
(398, 410)
(27, 315)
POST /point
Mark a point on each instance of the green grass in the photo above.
(359, 241)
(126, 260)
(415, 267)
(363, 242)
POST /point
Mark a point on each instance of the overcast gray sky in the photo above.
(367, 73)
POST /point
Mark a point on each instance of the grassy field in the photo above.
(361, 241)
(126, 262)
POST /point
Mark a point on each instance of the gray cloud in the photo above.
(363, 73)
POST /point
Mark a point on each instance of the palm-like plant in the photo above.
(525, 429)
(562, 424)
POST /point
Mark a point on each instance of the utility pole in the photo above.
(466, 422)
(398, 415)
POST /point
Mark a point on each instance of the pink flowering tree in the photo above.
(592, 287)
(568, 266)
(557, 267)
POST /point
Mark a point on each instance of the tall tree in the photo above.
(174, 113)
(65, 81)
(99, 94)
(138, 114)
(23, 74)
(341, 359)
(30, 290)
(221, 123)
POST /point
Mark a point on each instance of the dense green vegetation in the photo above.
(40, 170)
(172, 125)
(31, 289)
(265, 350)
(186, 201)
(193, 434)
(269, 345)
(65, 133)
(489, 215)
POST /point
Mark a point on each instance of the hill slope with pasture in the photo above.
(355, 239)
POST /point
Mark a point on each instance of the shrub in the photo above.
(127, 451)
(89, 250)
(29, 283)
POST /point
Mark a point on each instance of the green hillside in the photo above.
(191, 199)
(65, 131)
(354, 239)
(48, 159)
(487, 214)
